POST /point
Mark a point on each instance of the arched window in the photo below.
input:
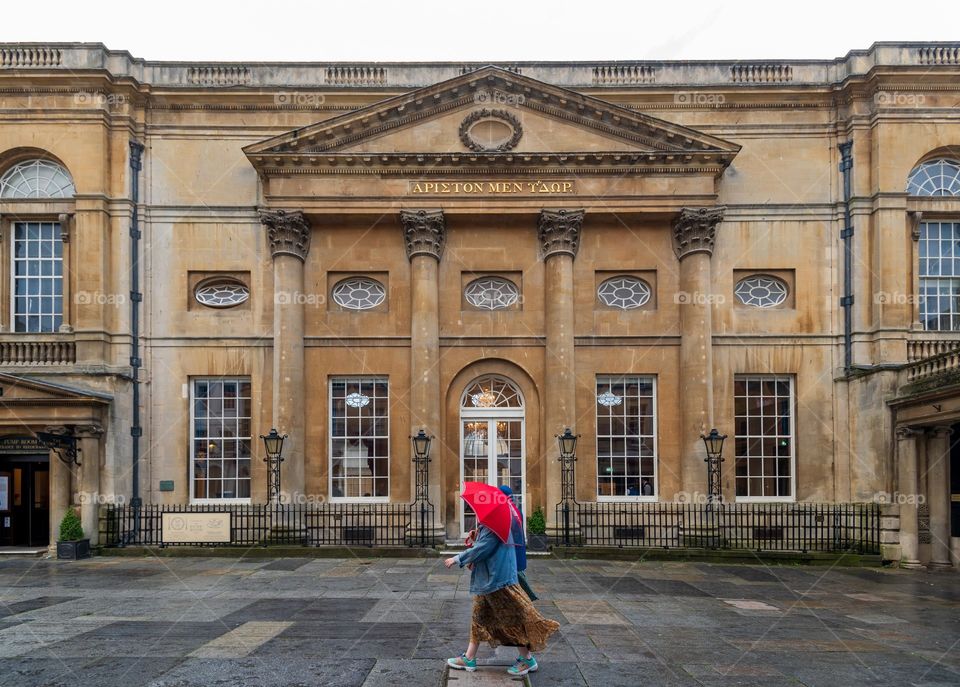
(939, 177)
(491, 391)
(36, 179)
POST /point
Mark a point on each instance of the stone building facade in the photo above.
(352, 252)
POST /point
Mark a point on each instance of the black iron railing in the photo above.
(800, 527)
(380, 524)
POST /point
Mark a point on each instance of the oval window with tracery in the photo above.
(359, 293)
(624, 293)
(221, 293)
(491, 293)
(761, 291)
(36, 179)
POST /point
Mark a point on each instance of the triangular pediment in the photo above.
(18, 390)
(494, 120)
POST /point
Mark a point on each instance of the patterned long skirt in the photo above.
(507, 617)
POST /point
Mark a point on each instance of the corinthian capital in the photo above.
(695, 230)
(424, 232)
(559, 232)
(288, 232)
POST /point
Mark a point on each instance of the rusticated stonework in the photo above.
(424, 232)
(695, 230)
(288, 232)
(559, 232)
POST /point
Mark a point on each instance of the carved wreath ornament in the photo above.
(469, 139)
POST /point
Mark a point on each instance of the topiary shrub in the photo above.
(71, 528)
(537, 522)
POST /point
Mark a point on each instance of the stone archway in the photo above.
(534, 472)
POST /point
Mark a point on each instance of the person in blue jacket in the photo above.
(502, 612)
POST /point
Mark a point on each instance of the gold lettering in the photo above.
(416, 187)
(492, 187)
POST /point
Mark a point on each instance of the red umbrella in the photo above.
(492, 507)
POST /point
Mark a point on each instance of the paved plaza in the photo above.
(376, 622)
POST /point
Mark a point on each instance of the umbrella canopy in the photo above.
(492, 507)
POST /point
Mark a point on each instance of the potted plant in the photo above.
(537, 530)
(71, 544)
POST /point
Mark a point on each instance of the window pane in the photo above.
(359, 437)
(626, 431)
(763, 443)
(221, 448)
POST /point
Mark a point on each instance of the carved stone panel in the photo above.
(695, 230)
(288, 232)
(559, 232)
(424, 232)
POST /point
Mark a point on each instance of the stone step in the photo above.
(29, 551)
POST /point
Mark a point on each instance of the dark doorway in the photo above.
(955, 481)
(24, 500)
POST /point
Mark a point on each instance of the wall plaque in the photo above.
(195, 528)
(495, 188)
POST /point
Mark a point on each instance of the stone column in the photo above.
(559, 235)
(289, 235)
(424, 235)
(938, 496)
(907, 486)
(87, 483)
(60, 489)
(694, 232)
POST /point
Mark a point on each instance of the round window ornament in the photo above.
(490, 131)
(357, 400)
(359, 293)
(491, 293)
(761, 291)
(221, 293)
(624, 293)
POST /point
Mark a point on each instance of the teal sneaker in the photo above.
(522, 666)
(461, 662)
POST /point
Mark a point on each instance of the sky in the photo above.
(479, 30)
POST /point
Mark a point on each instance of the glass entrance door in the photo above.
(24, 501)
(492, 453)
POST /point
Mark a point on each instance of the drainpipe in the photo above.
(136, 431)
(846, 301)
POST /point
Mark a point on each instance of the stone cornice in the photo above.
(424, 232)
(288, 232)
(712, 163)
(78, 58)
(559, 232)
(695, 230)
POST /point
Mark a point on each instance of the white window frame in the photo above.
(792, 379)
(655, 497)
(358, 499)
(12, 264)
(209, 501)
(491, 415)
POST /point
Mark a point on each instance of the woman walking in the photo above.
(502, 612)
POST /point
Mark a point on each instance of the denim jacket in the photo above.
(494, 562)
